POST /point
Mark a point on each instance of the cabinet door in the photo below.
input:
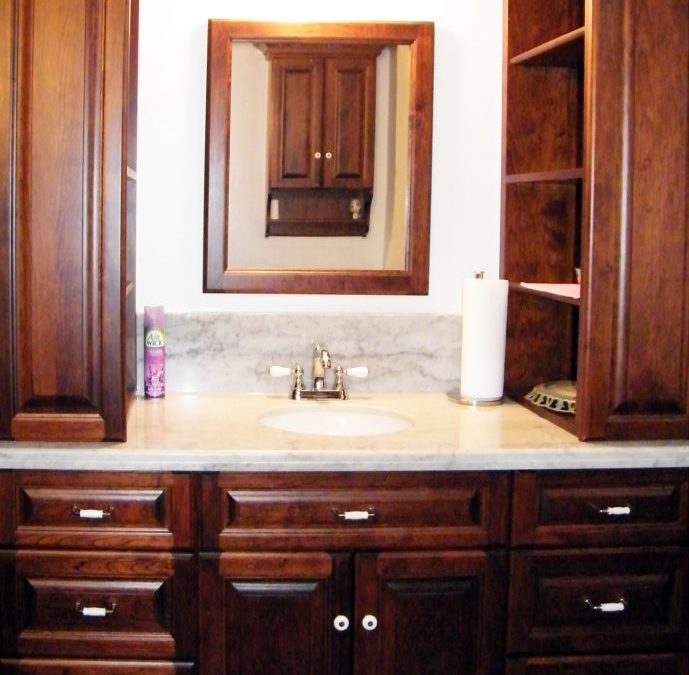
(632, 379)
(63, 90)
(434, 613)
(295, 122)
(275, 613)
(350, 117)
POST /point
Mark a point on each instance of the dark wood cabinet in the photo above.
(373, 587)
(321, 128)
(274, 613)
(429, 613)
(67, 217)
(97, 573)
(428, 573)
(321, 138)
(595, 167)
(436, 612)
(599, 572)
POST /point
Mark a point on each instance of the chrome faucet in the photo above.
(322, 362)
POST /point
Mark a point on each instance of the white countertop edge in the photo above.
(351, 460)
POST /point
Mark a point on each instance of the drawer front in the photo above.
(102, 510)
(591, 508)
(102, 605)
(312, 511)
(590, 601)
(647, 664)
(73, 667)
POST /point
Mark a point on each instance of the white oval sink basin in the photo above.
(336, 419)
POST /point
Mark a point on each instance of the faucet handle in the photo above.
(280, 371)
(357, 371)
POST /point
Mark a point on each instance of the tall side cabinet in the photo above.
(68, 74)
(596, 176)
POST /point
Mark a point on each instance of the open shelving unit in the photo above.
(595, 176)
(542, 182)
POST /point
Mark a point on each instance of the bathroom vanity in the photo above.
(472, 542)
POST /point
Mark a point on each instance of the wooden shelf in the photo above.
(565, 51)
(557, 176)
(320, 228)
(518, 288)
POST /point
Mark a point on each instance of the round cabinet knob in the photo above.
(328, 155)
(369, 622)
(341, 623)
(317, 155)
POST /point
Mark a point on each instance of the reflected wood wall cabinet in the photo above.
(595, 175)
(322, 116)
(68, 74)
(321, 137)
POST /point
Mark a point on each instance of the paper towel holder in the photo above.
(456, 395)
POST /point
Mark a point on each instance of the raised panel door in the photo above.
(295, 123)
(274, 613)
(435, 613)
(63, 122)
(634, 360)
(350, 117)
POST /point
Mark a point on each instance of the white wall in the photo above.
(465, 204)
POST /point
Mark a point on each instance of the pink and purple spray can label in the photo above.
(154, 352)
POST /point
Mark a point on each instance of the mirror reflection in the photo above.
(300, 155)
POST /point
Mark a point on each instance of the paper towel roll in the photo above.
(484, 322)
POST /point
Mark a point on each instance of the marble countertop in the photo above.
(221, 432)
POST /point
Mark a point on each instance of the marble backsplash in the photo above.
(232, 352)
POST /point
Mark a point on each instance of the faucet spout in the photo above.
(321, 363)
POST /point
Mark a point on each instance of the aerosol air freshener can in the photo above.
(154, 352)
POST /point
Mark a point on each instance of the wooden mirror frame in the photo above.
(413, 280)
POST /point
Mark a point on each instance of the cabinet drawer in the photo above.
(647, 664)
(592, 601)
(102, 605)
(102, 510)
(591, 508)
(72, 667)
(312, 511)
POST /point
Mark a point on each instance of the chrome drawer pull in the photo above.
(95, 611)
(357, 515)
(608, 607)
(92, 514)
(616, 511)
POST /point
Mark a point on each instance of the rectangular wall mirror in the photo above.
(318, 157)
